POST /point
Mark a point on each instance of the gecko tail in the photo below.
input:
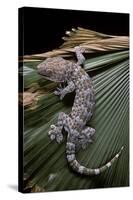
(75, 165)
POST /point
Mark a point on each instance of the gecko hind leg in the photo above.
(85, 137)
(55, 132)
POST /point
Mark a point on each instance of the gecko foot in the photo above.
(60, 92)
(55, 134)
(85, 138)
(79, 49)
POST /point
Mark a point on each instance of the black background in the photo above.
(41, 29)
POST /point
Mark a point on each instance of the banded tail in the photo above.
(70, 151)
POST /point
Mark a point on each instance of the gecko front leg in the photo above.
(63, 91)
(79, 50)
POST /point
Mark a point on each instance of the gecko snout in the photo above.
(39, 70)
(39, 66)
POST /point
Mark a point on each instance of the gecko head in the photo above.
(54, 69)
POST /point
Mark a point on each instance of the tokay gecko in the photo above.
(79, 135)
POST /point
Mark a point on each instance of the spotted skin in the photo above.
(79, 135)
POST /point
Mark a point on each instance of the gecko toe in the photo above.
(52, 137)
(59, 138)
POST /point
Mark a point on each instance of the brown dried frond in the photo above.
(92, 41)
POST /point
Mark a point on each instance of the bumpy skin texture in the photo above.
(79, 135)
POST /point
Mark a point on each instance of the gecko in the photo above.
(79, 135)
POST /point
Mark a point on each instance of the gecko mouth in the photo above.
(43, 75)
(49, 78)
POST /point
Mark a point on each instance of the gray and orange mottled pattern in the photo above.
(79, 135)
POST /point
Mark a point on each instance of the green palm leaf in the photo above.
(45, 164)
